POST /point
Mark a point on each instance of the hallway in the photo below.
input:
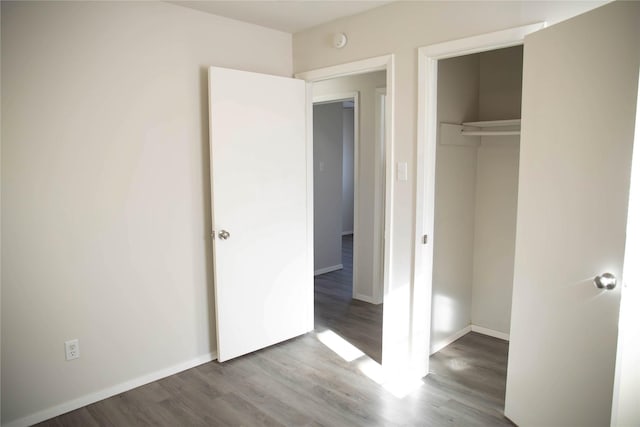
(358, 322)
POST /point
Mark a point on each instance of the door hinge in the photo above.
(425, 239)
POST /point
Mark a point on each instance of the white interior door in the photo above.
(580, 88)
(259, 183)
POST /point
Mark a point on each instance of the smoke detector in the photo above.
(339, 40)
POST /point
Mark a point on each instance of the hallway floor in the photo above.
(358, 322)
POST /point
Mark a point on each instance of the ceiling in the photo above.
(288, 16)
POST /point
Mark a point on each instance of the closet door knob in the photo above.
(224, 234)
(605, 281)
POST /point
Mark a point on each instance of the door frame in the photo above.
(428, 57)
(379, 63)
(337, 97)
(378, 237)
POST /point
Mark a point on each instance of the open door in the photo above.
(580, 88)
(263, 272)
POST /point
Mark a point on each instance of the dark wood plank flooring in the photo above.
(359, 322)
(301, 382)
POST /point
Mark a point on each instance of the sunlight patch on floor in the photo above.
(397, 383)
(457, 364)
(340, 346)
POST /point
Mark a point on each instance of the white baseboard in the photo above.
(108, 392)
(328, 269)
(437, 346)
(346, 233)
(490, 332)
(367, 298)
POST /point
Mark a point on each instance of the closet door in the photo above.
(580, 87)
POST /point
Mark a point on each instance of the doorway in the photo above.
(476, 192)
(428, 131)
(348, 188)
(475, 200)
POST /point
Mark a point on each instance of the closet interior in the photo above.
(476, 192)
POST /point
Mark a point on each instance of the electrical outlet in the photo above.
(72, 349)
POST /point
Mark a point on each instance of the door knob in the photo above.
(605, 281)
(224, 234)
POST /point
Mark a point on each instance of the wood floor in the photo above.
(302, 382)
(360, 323)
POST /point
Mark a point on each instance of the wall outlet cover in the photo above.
(72, 349)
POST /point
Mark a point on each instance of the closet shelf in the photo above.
(493, 123)
(491, 128)
(489, 132)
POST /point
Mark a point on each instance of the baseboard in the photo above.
(436, 347)
(328, 269)
(346, 233)
(366, 298)
(490, 332)
(108, 392)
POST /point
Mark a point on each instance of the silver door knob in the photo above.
(605, 281)
(224, 234)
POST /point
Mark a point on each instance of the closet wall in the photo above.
(458, 93)
(476, 197)
(496, 191)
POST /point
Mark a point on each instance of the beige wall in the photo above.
(327, 186)
(347, 169)
(495, 232)
(500, 97)
(501, 84)
(364, 244)
(399, 29)
(105, 190)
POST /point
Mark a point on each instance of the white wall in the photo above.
(105, 190)
(327, 186)
(364, 246)
(458, 91)
(347, 170)
(400, 28)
